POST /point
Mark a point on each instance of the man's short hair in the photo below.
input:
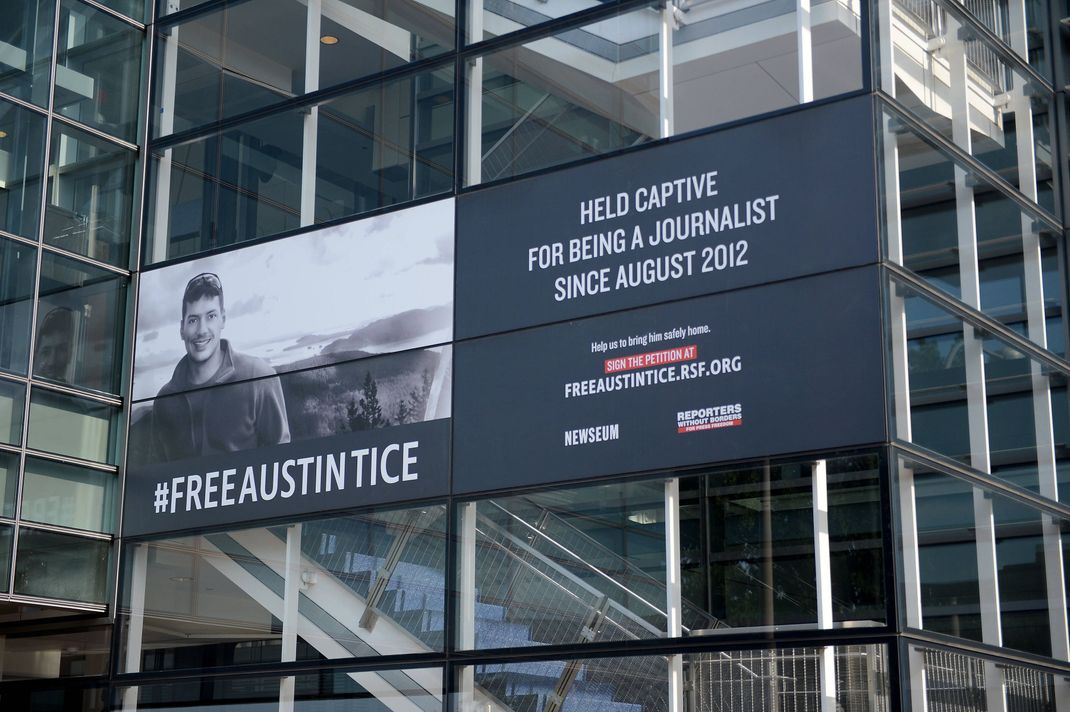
(59, 321)
(206, 285)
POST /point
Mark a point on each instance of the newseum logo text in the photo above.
(591, 435)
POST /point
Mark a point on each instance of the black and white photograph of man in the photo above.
(189, 418)
(260, 360)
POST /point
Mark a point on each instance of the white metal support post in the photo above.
(665, 67)
(1021, 105)
(135, 621)
(473, 108)
(805, 51)
(973, 354)
(823, 582)
(310, 128)
(466, 600)
(290, 598)
(674, 591)
(168, 74)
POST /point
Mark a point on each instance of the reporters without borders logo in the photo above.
(709, 418)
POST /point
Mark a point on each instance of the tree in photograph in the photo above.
(366, 412)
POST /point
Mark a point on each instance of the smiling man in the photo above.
(190, 419)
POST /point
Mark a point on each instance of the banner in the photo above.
(771, 200)
(779, 368)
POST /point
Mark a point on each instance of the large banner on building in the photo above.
(296, 376)
(756, 372)
(774, 199)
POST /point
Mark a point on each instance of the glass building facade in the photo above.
(876, 521)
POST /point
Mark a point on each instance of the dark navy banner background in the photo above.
(755, 372)
(775, 199)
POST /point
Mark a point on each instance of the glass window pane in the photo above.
(579, 93)
(7, 535)
(61, 566)
(375, 147)
(489, 19)
(68, 653)
(380, 589)
(90, 196)
(12, 406)
(72, 426)
(98, 70)
(18, 266)
(9, 483)
(26, 48)
(731, 61)
(215, 66)
(1010, 114)
(22, 162)
(1004, 233)
(68, 496)
(956, 681)
(387, 689)
(80, 319)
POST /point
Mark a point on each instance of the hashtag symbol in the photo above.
(162, 500)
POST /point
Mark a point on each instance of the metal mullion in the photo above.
(204, 8)
(56, 603)
(75, 461)
(122, 143)
(71, 531)
(114, 13)
(940, 143)
(98, 397)
(984, 480)
(25, 104)
(977, 318)
(88, 260)
(297, 102)
(24, 240)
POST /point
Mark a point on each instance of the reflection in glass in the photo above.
(18, 265)
(61, 566)
(950, 678)
(733, 681)
(1006, 106)
(1004, 234)
(737, 60)
(394, 689)
(71, 426)
(379, 589)
(98, 70)
(79, 321)
(12, 406)
(26, 48)
(9, 482)
(7, 536)
(68, 496)
(579, 93)
(214, 66)
(40, 656)
(374, 147)
(90, 196)
(22, 162)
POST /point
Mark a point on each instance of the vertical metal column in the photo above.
(973, 353)
(466, 600)
(674, 591)
(310, 127)
(665, 75)
(473, 110)
(162, 199)
(291, 594)
(1021, 104)
(135, 626)
(823, 582)
(805, 50)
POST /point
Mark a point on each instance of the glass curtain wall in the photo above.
(71, 78)
(274, 115)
